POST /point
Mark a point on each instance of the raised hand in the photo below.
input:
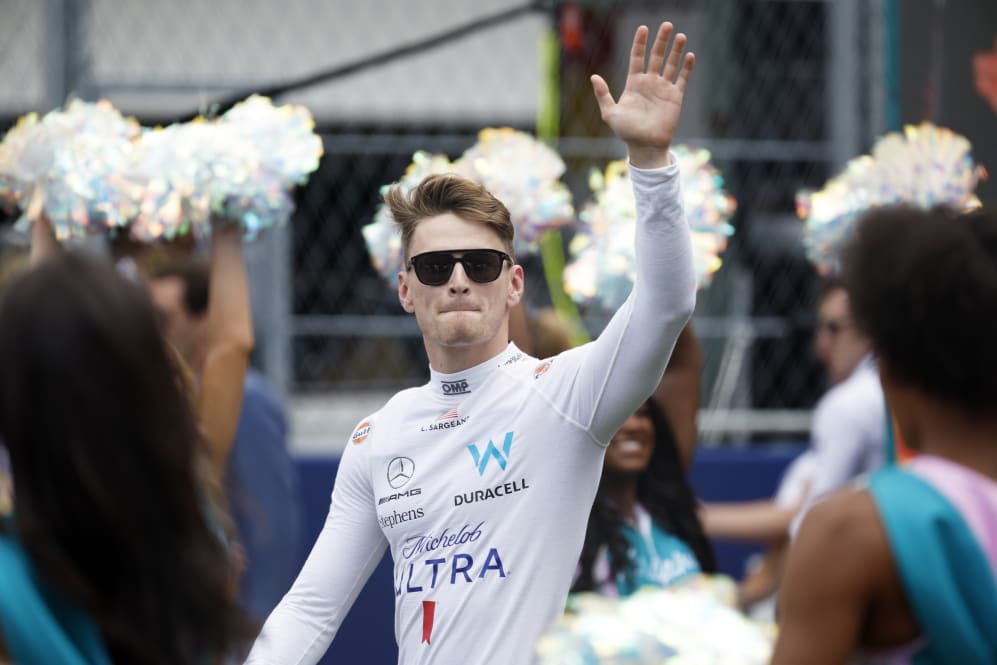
(648, 111)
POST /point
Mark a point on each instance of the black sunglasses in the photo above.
(480, 265)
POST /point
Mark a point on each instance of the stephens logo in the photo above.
(458, 387)
(361, 433)
(448, 420)
(481, 459)
(541, 369)
(395, 518)
(400, 471)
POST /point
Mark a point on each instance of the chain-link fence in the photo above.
(783, 93)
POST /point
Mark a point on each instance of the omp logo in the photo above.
(481, 459)
(400, 471)
(458, 387)
(361, 433)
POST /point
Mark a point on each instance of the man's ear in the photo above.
(405, 294)
(517, 283)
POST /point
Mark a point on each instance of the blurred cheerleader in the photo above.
(643, 529)
(904, 568)
(112, 555)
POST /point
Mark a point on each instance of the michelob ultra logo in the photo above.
(491, 451)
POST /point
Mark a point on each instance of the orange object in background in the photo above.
(902, 453)
(897, 452)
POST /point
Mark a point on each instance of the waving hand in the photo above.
(648, 110)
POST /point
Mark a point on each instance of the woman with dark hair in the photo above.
(112, 555)
(643, 528)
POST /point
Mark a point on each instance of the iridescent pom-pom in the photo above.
(383, 237)
(284, 137)
(516, 168)
(66, 166)
(240, 166)
(602, 270)
(691, 623)
(89, 169)
(602, 265)
(924, 166)
(287, 150)
(184, 169)
(524, 174)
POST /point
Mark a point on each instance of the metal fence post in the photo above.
(844, 81)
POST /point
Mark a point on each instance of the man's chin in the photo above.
(461, 340)
(458, 336)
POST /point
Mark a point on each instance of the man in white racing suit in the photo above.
(481, 481)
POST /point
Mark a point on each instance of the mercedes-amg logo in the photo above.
(400, 471)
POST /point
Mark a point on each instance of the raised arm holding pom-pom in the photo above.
(43, 242)
(229, 343)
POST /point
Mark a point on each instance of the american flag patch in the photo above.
(449, 415)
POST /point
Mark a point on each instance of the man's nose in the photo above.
(459, 282)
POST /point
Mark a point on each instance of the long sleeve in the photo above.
(602, 383)
(351, 544)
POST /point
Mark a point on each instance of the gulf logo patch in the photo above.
(361, 433)
(541, 369)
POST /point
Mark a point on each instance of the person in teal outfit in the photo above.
(112, 554)
(903, 569)
(643, 529)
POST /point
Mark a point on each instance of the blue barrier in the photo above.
(739, 474)
(367, 634)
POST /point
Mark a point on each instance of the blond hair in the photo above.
(447, 193)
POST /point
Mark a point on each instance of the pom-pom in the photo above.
(287, 150)
(516, 168)
(688, 623)
(67, 165)
(524, 174)
(383, 238)
(183, 170)
(87, 168)
(240, 166)
(602, 268)
(925, 166)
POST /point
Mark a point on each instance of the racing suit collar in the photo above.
(461, 384)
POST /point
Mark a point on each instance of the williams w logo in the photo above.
(481, 459)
